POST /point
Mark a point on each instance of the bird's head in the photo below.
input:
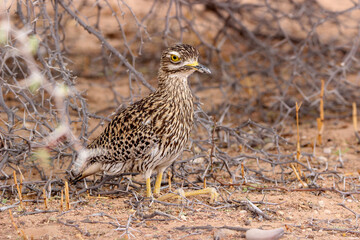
(181, 60)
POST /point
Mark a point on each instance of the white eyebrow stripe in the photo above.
(174, 53)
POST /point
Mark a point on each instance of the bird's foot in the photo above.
(180, 193)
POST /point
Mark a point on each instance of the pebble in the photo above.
(224, 234)
(321, 204)
(327, 150)
(199, 160)
(322, 159)
(258, 234)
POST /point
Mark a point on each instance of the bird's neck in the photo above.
(175, 93)
(174, 86)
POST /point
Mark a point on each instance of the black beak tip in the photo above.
(203, 69)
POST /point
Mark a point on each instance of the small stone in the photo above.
(327, 211)
(349, 200)
(258, 234)
(269, 146)
(199, 160)
(197, 149)
(224, 234)
(281, 213)
(321, 204)
(248, 222)
(327, 150)
(322, 159)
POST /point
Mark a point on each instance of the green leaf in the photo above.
(44, 156)
(35, 82)
(33, 44)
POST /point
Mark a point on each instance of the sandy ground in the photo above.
(308, 214)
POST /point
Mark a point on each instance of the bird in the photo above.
(149, 135)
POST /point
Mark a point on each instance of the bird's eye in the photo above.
(174, 58)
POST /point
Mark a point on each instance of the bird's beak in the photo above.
(198, 67)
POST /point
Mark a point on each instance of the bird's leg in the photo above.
(148, 184)
(211, 191)
(148, 187)
(179, 193)
(169, 181)
(158, 181)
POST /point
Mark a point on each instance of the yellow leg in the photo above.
(178, 193)
(148, 188)
(169, 181)
(158, 183)
(211, 191)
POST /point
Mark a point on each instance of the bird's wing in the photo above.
(128, 137)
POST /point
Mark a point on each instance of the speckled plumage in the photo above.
(151, 133)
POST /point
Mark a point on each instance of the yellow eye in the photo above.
(174, 58)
